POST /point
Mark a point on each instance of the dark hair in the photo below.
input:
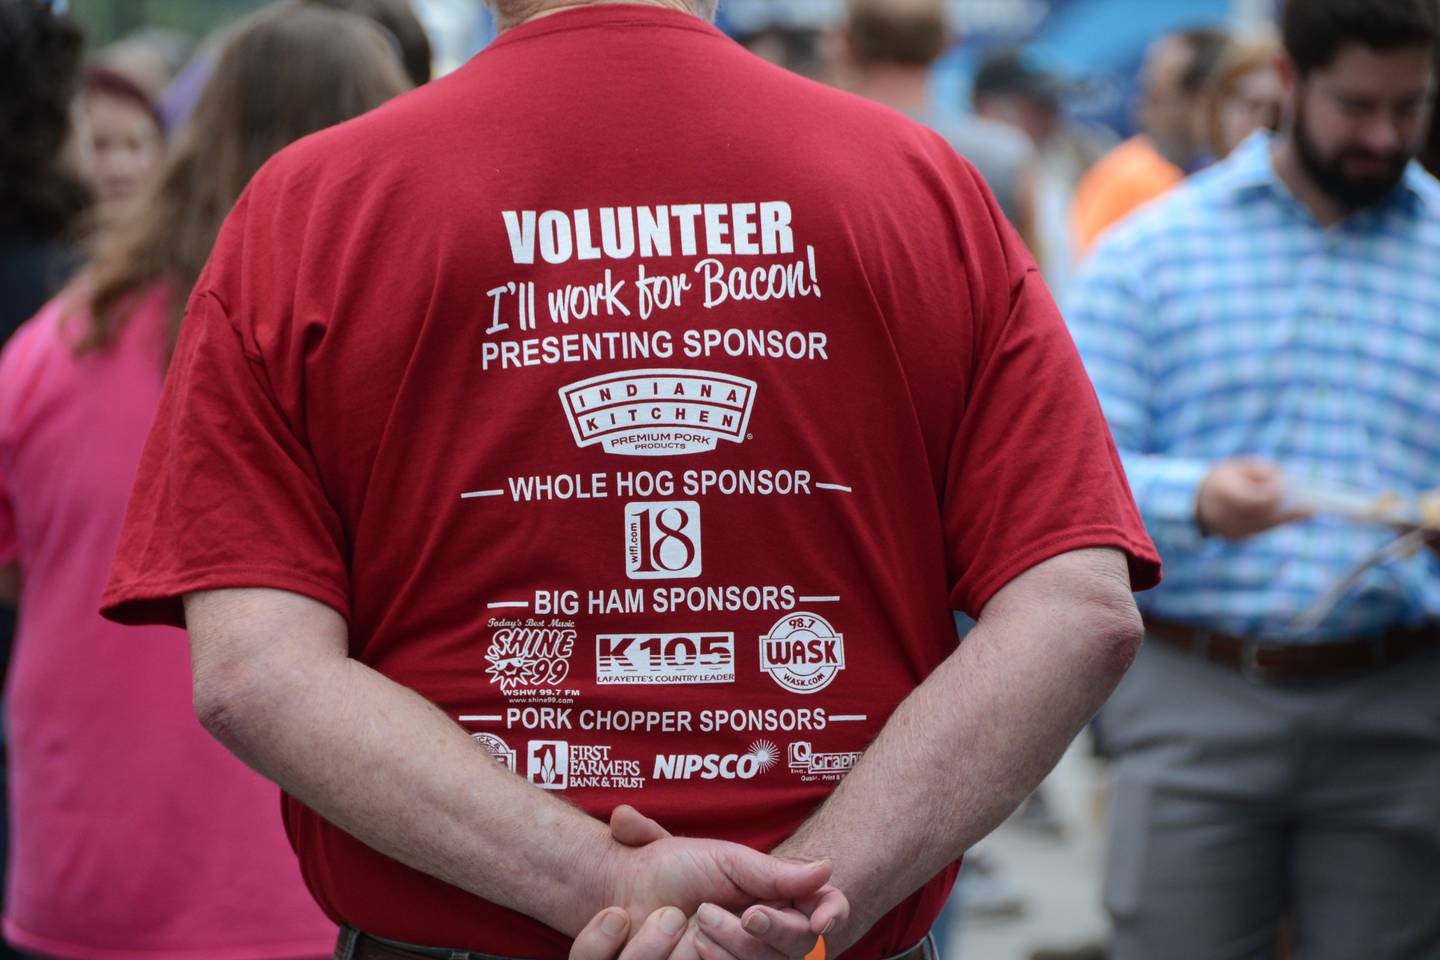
(406, 29)
(914, 34)
(1205, 45)
(105, 81)
(40, 54)
(288, 71)
(1313, 31)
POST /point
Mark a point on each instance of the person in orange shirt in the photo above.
(1155, 160)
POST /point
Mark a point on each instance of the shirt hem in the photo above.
(285, 950)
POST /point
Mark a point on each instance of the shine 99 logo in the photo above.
(662, 540)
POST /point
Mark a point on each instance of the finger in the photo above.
(721, 937)
(602, 937)
(632, 828)
(770, 878)
(827, 908)
(658, 937)
(788, 931)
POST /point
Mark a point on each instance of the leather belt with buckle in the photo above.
(1270, 661)
(354, 945)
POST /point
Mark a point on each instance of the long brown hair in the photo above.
(288, 71)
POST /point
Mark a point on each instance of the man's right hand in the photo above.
(686, 872)
(770, 928)
(1241, 497)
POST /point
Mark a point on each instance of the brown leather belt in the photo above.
(354, 945)
(1263, 660)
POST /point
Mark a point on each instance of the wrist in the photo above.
(587, 882)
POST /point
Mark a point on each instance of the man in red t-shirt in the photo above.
(618, 420)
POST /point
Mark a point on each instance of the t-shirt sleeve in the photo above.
(1033, 471)
(228, 493)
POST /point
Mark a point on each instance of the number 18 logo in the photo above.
(662, 540)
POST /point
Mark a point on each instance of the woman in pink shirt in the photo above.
(135, 834)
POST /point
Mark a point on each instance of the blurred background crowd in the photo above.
(127, 130)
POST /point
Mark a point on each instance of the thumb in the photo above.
(632, 828)
(770, 878)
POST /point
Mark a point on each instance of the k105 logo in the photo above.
(665, 658)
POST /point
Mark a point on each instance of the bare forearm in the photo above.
(388, 767)
(964, 749)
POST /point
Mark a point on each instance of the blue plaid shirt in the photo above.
(1223, 320)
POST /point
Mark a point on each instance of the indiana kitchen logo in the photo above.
(658, 413)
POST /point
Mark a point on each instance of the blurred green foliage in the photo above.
(105, 20)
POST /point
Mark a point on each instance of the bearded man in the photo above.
(1266, 344)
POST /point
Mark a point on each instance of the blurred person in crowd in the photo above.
(1242, 95)
(126, 139)
(798, 48)
(1154, 161)
(134, 832)
(350, 500)
(887, 48)
(1266, 344)
(403, 31)
(150, 58)
(43, 200)
(1009, 89)
(42, 192)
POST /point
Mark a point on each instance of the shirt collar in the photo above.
(1249, 170)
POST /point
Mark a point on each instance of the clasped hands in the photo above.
(680, 898)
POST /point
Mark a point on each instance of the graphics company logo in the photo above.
(802, 652)
(658, 413)
(761, 757)
(825, 766)
(547, 764)
(662, 540)
(497, 748)
(665, 658)
(525, 657)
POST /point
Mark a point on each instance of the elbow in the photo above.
(1113, 630)
(224, 695)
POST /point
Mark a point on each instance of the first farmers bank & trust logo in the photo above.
(658, 412)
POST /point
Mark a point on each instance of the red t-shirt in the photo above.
(642, 405)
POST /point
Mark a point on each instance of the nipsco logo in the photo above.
(805, 761)
(802, 652)
(547, 764)
(761, 756)
(658, 413)
(664, 658)
(497, 748)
